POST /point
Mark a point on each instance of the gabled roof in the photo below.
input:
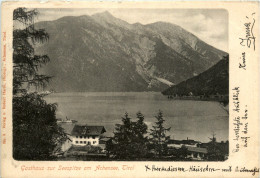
(197, 149)
(87, 130)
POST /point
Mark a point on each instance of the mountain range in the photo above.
(104, 53)
(213, 81)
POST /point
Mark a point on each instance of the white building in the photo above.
(196, 153)
(86, 135)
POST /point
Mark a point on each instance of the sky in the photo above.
(210, 25)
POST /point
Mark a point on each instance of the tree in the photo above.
(159, 138)
(26, 63)
(35, 130)
(129, 138)
(179, 153)
(140, 128)
(216, 152)
(140, 138)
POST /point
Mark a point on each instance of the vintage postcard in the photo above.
(130, 89)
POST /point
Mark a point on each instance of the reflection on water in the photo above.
(193, 119)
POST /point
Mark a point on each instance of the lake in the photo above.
(187, 118)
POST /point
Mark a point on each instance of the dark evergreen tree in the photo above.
(26, 63)
(182, 153)
(122, 138)
(140, 136)
(140, 128)
(215, 150)
(35, 130)
(159, 138)
(129, 138)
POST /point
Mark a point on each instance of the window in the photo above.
(85, 142)
(80, 141)
(94, 142)
(80, 136)
(93, 137)
(88, 143)
(85, 137)
(77, 142)
(77, 137)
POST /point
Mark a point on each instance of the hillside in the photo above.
(104, 53)
(213, 81)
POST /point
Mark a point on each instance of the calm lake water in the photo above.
(193, 119)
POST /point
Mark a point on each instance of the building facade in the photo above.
(196, 153)
(86, 135)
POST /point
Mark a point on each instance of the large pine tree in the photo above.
(35, 130)
(130, 142)
(159, 137)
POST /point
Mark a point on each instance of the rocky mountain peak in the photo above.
(104, 53)
(104, 14)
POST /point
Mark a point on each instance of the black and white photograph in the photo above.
(120, 84)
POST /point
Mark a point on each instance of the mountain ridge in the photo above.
(133, 57)
(214, 81)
